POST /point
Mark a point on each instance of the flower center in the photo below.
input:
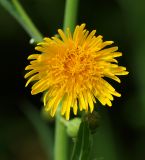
(76, 62)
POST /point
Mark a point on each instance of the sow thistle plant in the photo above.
(70, 69)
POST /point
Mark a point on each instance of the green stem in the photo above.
(61, 139)
(26, 22)
(70, 15)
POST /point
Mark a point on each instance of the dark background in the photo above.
(24, 127)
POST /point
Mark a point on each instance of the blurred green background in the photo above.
(24, 132)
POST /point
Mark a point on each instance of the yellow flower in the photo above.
(71, 71)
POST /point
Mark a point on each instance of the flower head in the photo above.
(71, 71)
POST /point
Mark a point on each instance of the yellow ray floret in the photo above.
(71, 71)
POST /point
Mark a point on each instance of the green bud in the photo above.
(73, 127)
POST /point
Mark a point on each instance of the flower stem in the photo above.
(70, 15)
(61, 139)
(26, 22)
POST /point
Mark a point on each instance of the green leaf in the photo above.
(86, 143)
(18, 12)
(83, 144)
(9, 7)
